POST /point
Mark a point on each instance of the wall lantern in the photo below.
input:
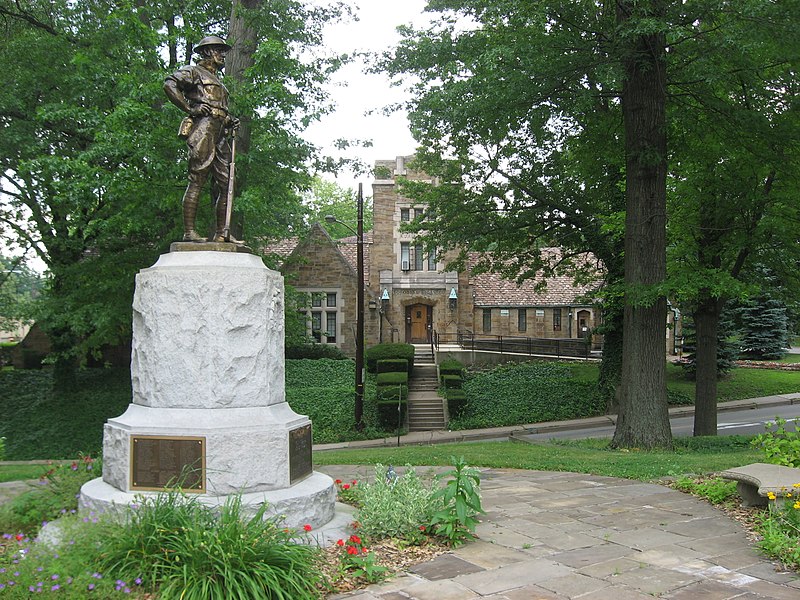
(453, 299)
(385, 300)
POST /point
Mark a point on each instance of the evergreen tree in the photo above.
(765, 332)
(727, 348)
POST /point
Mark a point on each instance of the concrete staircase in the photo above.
(425, 407)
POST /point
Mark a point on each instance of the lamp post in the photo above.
(359, 307)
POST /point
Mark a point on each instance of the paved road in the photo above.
(749, 421)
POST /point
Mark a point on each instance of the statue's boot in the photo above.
(190, 200)
(221, 214)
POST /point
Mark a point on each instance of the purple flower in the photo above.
(138, 581)
(39, 569)
(54, 576)
(55, 588)
(97, 575)
(90, 587)
(2, 586)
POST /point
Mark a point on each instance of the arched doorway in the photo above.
(419, 321)
(584, 318)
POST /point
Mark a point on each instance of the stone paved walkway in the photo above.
(559, 536)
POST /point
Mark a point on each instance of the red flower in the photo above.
(340, 542)
(363, 551)
(345, 487)
(355, 539)
(422, 527)
(354, 482)
(19, 537)
(338, 482)
(352, 550)
(306, 527)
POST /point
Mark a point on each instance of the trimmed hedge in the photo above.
(451, 382)
(388, 418)
(388, 352)
(393, 365)
(390, 393)
(392, 378)
(526, 393)
(451, 366)
(456, 402)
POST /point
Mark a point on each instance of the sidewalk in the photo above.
(418, 438)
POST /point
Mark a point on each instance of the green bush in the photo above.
(6, 353)
(314, 351)
(395, 507)
(526, 393)
(320, 373)
(780, 445)
(392, 378)
(393, 365)
(185, 550)
(391, 394)
(2, 448)
(456, 402)
(678, 398)
(451, 382)
(714, 489)
(388, 416)
(451, 366)
(389, 351)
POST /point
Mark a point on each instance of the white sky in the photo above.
(357, 93)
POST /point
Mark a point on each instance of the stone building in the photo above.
(409, 296)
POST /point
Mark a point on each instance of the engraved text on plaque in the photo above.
(158, 462)
(299, 453)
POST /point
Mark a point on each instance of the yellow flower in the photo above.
(796, 505)
(788, 494)
(771, 495)
(796, 485)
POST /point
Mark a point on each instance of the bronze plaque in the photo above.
(299, 453)
(159, 462)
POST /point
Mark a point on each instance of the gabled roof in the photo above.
(493, 290)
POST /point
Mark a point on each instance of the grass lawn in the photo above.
(740, 383)
(20, 472)
(691, 456)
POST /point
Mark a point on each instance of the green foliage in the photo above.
(727, 345)
(2, 448)
(714, 489)
(526, 393)
(19, 287)
(388, 352)
(359, 562)
(392, 365)
(780, 445)
(53, 496)
(186, 550)
(780, 529)
(456, 402)
(395, 507)
(461, 501)
(391, 412)
(451, 366)
(392, 378)
(452, 382)
(328, 198)
(315, 351)
(679, 398)
(765, 332)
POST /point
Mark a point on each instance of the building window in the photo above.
(419, 214)
(419, 257)
(487, 320)
(321, 313)
(405, 256)
(522, 319)
(405, 214)
(556, 319)
(432, 260)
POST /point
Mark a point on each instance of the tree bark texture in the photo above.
(706, 322)
(242, 36)
(643, 420)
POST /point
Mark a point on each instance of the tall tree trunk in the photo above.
(242, 36)
(643, 417)
(706, 322)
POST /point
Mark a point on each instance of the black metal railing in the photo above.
(572, 347)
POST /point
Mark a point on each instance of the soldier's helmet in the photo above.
(211, 40)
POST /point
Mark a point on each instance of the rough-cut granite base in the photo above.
(208, 332)
(247, 449)
(311, 502)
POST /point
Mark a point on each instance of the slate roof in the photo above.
(492, 290)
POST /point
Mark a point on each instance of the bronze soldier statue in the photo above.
(197, 90)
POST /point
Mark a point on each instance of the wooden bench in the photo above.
(756, 481)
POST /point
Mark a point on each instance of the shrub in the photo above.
(456, 401)
(389, 417)
(314, 352)
(461, 501)
(393, 365)
(392, 378)
(323, 372)
(2, 448)
(389, 351)
(781, 446)
(451, 382)
(451, 366)
(395, 507)
(55, 495)
(184, 550)
(714, 489)
(526, 393)
(678, 398)
(780, 528)
(391, 394)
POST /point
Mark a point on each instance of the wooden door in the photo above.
(418, 317)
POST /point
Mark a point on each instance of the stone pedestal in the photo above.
(207, 368)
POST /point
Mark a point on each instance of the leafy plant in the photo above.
(461, 502)
(781, 446)
(395, 507)
(715, 489)
(2, 448)
(187, 551)
(54, 495)
(358, 561)
(780, 528)
(347, 492)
